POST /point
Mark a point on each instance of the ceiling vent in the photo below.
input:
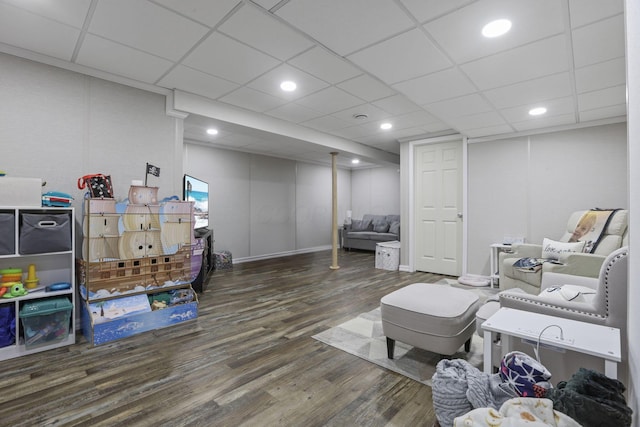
(360, 116)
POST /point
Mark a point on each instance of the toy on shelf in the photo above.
(56, 198)
(13, 290)
(32, 280)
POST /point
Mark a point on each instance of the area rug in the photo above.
(362, 336)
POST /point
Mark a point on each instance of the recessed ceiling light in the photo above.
(537, 111)
(288, 86)
(212, 131)
(386, 126)
(355, 161)
(496, 28)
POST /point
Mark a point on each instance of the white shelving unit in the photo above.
(51, 267)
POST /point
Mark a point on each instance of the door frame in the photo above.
(411, 181)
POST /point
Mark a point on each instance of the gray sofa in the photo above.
(370, 230)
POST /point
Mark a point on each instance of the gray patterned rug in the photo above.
(362, 337)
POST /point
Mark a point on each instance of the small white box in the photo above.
(388, 255)
(20, 191)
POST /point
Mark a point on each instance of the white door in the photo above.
(438, 207)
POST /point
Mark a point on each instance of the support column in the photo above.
(334, 212)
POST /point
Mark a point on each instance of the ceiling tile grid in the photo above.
(421, 65)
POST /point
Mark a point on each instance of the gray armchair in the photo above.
(608, 307)
(614, 236)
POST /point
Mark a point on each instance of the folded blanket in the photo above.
(458, 387)
(530, 412)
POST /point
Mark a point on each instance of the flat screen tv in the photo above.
(197, 191)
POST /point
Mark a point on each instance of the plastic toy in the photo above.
(15, 290)
(32, 280)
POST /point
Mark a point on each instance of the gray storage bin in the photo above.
(7, 234)
(44, 232)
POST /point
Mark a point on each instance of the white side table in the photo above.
(496, 249)
(588, 338)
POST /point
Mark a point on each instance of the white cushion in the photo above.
(572, 293)
(552, 249)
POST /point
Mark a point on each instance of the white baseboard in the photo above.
(405, 268)
(281, 254)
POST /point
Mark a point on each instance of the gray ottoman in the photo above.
(437, 318)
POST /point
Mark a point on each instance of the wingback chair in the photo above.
(608, 308)
(615, 235)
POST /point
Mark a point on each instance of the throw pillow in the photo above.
(361, 225)
(552, 249)
(394, 228)
(380, 226)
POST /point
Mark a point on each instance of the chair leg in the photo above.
(390, 346)
(467, 345)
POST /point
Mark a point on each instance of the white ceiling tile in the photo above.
(70, 12)
(252, 99)
(346, 26)
(194, 81)
(459, 32)
(270, 82)
(600, 76)
(326, 66)
(525, 93)
(396, 105)
(599, 42)
(464, 106)
(587, 11)
(373, 114)
(619, 110)
(37, 34)
(415, 119)
(436, 87)
(534, 60)
(326, 123)
(294, 113)
(165, 34)
(565, 119)
(330, 100)
(352, 132)
(206, 12)
(221, 56)
(115, 58)
(403, 57)
(555, 107)
(267, 4)
(260, 30)
(367, 88)
(426, 10)
(602, 98)
(473, 121)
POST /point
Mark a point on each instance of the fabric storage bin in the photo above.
(45, 321)
(388, 255)
(44, 232)
(7, 234)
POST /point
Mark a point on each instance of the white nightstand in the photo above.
(496, 249)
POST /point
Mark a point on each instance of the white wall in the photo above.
(375, 191)
(528, 186)
(263, 206)
(59, 125)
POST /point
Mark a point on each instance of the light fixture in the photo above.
(212, 131)
(537, 111)
(355, 161)
(496, 28)
(288, 86)
(386, 126)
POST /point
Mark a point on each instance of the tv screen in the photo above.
(197, 191)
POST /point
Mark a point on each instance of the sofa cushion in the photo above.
(383, 237)
(394, 228)
(381, 226)
(364, 224)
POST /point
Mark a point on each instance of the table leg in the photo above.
(611, 369)
(488, 347)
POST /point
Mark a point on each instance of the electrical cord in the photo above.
(537, 349)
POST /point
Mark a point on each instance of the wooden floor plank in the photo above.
(248, 360)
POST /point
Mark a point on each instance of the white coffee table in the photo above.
(596, 340)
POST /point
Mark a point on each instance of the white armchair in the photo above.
(614, 236)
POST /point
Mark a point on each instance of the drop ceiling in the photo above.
(421, 65)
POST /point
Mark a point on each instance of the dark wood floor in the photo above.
(248, 360)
